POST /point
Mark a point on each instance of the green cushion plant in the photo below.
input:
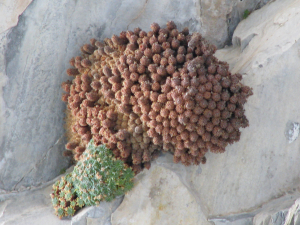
(97, 176)
(100, 176)
(64, 198)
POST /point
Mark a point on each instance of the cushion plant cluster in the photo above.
(140, 93)
(97, 176)
(145, 92)
(64, 198)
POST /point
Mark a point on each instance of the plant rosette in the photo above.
(100, 176)
(64, 198)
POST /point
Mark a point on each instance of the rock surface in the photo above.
(284, 210)
(281, 211)
(30, 207)
(264, 164)
(34, 207)
(219, 18)
(160, 196)
(97, 215)
(237, 187)
(34, 56)
(10, 10)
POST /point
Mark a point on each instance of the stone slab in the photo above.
(264, 164)
(160, 197)
(10, 10)
(34, 56)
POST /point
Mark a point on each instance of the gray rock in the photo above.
(284, 210)
(239, 219)
(99, 215)
(280, 211)
(238, 13)
(234, 186)
(33, 140)
(292, 131)
(219, 18)
(263, 164)
(34, 207)
(10, 11)
(35, 56)
(29, 207)
(160, 197)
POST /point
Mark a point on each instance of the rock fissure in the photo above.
(37, 164)
(141, 12)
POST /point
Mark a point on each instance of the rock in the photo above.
(159, 197)
(35, 56)
(292, 131)
(219, 18)
(240, 219)
(30, 207)
(10, 10)
(284, 210)
(263, 164)
(34, 207)
(238, 185)
(97, 215)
